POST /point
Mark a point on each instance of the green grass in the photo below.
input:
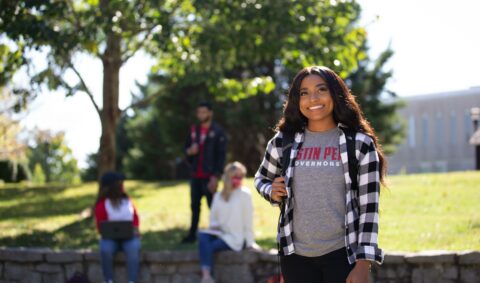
(431, 211)
(418, 212)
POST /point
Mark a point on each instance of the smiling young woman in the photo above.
(316, 104)
(328, 229)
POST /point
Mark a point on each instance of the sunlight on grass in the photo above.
(418, 212)
(431, 211)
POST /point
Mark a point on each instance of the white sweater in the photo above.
(234, 218)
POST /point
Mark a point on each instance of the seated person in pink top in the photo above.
(113, 204)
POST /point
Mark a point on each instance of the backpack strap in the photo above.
(287, 143)
(352, 159)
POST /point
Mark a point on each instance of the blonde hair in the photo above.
(229, 171)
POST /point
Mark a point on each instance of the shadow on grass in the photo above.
(166, 240)
(41, 202)
(135, 191)
(77, 235)
(44, 204)
(82, 234)
(12, 192)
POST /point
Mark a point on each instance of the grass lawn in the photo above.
(418, 212)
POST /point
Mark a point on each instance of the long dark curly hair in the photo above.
(345, 109)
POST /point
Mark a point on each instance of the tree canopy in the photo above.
(241, 55)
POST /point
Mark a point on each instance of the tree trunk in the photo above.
(110, 113)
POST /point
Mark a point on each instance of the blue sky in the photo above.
(436, 45)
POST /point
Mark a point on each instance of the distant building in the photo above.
(438, 130)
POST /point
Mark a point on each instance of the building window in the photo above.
(453, 128)
(425, 129)
(439, 129)
(411, 131)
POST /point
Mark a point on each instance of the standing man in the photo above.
(205, 149)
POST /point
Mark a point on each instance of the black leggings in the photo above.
(330, 268)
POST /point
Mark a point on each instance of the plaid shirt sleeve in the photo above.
(369, 193)
(270, 168)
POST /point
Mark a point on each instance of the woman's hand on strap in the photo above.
(279, 190)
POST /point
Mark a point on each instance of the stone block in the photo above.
(264, 270)
(48, 268)
(144, 275)
(92, 256)
(394, 258)
(435, 273)
(158, 257)
(185, 256)
(242, 273)
(160, 268)
(186, 278)
(120, 274)
(53, 277)
(72, 268)
(21, 273)
(391, 271)
(450, 272)
(1, 270)
(64, 257)
(231, 257)
(15, 271)
(270, 256)
(161, 279)
(188, 268)
(22, 255)
(469, 258)
(469, 275)
(417, 275)
(94, 272)
(383, 272)
(31, 277)
(431, 257)
(403, 271)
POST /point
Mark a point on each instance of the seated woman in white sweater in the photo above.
(231, 220)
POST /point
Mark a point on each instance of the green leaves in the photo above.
(55, 159)
(10, 62)
(235, 90)
(93, 2)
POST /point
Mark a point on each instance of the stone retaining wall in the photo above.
(47, 266)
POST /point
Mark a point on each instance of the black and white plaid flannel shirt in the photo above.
(361, 219)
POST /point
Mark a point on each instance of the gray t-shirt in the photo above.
(319, 191)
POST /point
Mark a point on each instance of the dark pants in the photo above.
(330, 268)
(198, 189)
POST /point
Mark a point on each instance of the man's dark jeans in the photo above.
(198, 189)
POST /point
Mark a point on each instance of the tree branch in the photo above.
(76, 18)
(85, 87)
(141, 103)
(139, 46)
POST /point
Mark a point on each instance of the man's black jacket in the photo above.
(215, 148)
